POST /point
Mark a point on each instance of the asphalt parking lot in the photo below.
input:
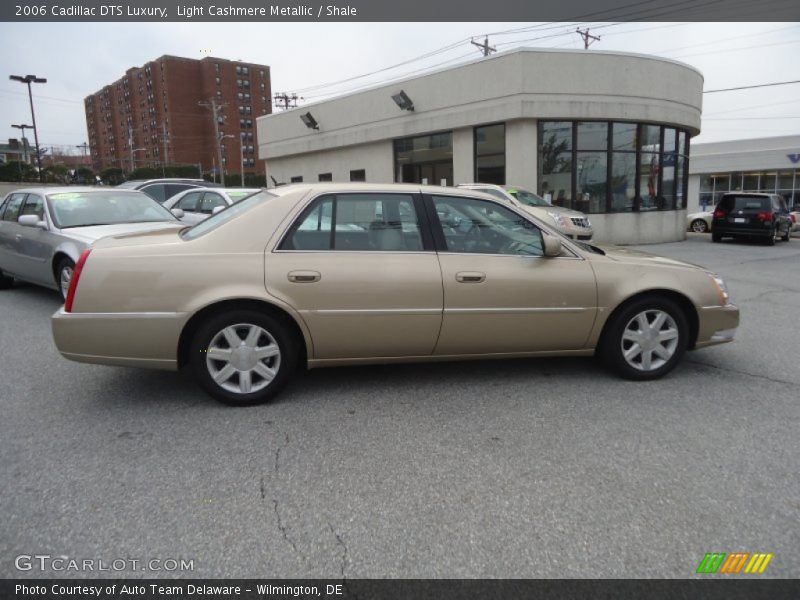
(528, 468)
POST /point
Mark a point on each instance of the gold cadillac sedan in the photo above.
(341, 274)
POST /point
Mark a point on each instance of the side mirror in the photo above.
(218, 209)
(178, 212)
(552, 245)
(31, 221)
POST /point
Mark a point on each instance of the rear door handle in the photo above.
(470, 277)
(304, 276)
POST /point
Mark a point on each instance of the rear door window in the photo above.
(190, 202)
(157, 191)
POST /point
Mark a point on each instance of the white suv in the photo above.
(572, 223)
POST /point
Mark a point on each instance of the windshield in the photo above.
(527, 198)
(84, 209)
(233, 211)
(129, 185)
(240, 194)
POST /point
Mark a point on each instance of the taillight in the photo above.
(764, 216)
(73, 284)
(719, 214)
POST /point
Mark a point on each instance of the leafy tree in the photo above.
(112, 176)
(17, 171)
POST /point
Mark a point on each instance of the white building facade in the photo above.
(755, 165)
(602, 132)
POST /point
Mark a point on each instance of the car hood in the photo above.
(567, 212)
(637, 257)
(93, 233)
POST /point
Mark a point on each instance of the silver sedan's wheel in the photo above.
(650, 340)
(243, 358)
(66, 268)
(699, 226)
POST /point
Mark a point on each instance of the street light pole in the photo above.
(241, 156)
(28, 79)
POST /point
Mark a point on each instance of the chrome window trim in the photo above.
(121, 315)
(512, 310)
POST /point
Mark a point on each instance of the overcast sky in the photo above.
(78, 59)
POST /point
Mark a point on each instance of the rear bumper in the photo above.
(717, 325)
(148, 340)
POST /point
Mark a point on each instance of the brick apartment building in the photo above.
(152, 115)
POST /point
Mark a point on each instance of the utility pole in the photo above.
(212, 104)
(24, 140)
(130, 146)
(588, 39)
(286, 100)
(484, 47)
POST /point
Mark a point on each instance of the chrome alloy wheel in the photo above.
(64, 278)
(699, 226)
(243, 358)
(650, 339)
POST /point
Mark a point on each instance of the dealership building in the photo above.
(756, 165)
(606, 133)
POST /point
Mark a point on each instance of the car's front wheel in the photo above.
(699, 226)
(646, 339)
(243, 357)
(64, 273)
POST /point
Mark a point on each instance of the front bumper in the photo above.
(148, 340)
(717, 325)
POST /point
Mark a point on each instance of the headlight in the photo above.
(558, 218)
(722, 289)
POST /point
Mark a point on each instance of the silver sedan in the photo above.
(43, 231)
(197, 204)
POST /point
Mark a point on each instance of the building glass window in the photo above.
(297, 179)
(326, 177)
(490, 154)
(555, 162)
(425, 159)
(600, 166)
(358, 175)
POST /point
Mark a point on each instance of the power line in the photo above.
(750, 87)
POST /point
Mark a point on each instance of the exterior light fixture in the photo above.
(309, 121)
(403, 101)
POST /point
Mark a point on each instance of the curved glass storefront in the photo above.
(613, 167)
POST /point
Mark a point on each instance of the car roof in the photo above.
(412, 188)
(46, 191)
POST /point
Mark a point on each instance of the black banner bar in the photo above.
(398, 11)
(733, 588)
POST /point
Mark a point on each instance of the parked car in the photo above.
(198, 204)
(751, 215)
(699, 222)
(572, 223)
(250, 293)
(164, 189)
(795, 217)
(43, 231)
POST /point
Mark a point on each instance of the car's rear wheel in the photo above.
(699, 226)
(716, 237)
(646, 339)
(64, 273)
(243, 357)
(786, 236)
(5, 281)
(773, 237)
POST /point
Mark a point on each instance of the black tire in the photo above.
(773, 237)
(63, 265)
(786, 236)
(612, 344)
(275, 331)
(5, 281)
(699, 226)
(716, 237)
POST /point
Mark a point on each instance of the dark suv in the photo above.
(164, 189)
(751, 215)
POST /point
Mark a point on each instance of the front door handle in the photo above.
(304, 276)
(470, 277)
